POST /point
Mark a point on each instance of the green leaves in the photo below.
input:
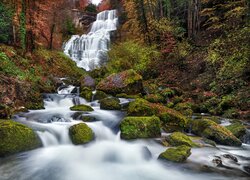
(5, 23)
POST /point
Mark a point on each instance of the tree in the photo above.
(5, 23)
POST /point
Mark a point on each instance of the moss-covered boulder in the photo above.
(140, 127)
(124, 95)
(100, 95)
(178, 139)
(213, 131)
(128, 82)
(110, 104)
(81, 134)
(238, 129)
(16, 137)
(184, 108)
(178, 154)
(141, 107)
(81, 107)
(155, 98)
(86, 93)
(173, 120)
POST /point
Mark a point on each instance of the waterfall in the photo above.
(89, 51)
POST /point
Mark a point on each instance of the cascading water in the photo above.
(107, 157)
(89, 51)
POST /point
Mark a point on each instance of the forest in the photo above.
(119, 89)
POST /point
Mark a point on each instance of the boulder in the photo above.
(155, 98)
(88, 81)
(213, 131)
(86, 93)
(16, 137)
(238, 129)
(128, 82)
(100, 95)
(110, 104)
(81, 134)
(141, 107)
(140, 127)
(178, 139)
(178, 154)
(184, 108)
(81, 107)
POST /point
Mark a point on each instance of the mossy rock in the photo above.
(86, 93)
(123, 95)
(178, 139)
(155, 98)
(141, 107)
(213, 131)
(81, 134)
(184, 108)
(5, 112)
(128, 82)
(110, 104)
(140, 127)
(16, 137)
(173, 120)
(238, 129)
(100, 95)
(81, 107)
(178, 154)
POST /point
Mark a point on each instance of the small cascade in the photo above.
(89, 51)
(246, 138)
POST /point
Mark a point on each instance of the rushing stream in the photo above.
(107, 157)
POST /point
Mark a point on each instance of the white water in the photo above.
(107, 157)
(89, 51)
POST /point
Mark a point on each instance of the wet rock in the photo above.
(155, 98)
(140, 127)
(88, 81)
(141, 107)
(178, 139)
(110, 104)
(128, 82)
(81, 107)
(81, 134)
(16, 137)
(237, 129)
(86, 93)
(211, 130)
(100, 95)
(218, 162)
(178, 154)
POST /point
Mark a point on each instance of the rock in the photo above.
(140, 127)
(141, 107)
(184, 108)
(128, 82)
(155, 98)
(88, 81)
(81, 107)
(100, 95)
(237, 129)
(123, 95)
(81, 134)
(86, 93)
(110, 104)
(5, 112)
(16, 137)
(173, 120)
(211, 130)
(178, 154)
(178, 139)
(87, 118)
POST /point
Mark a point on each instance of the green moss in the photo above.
(178, 154)
(100, 95)
(140, 107)
(155, 98)
(123, 95)
(178, 139)
(167, 93)
(81, 134)
(184, 108)
(81, 107)
(86, 93)
(173, 120)
(110, 104)
(140, 127)
(16, 137)
(238, 129)
(213, 131)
